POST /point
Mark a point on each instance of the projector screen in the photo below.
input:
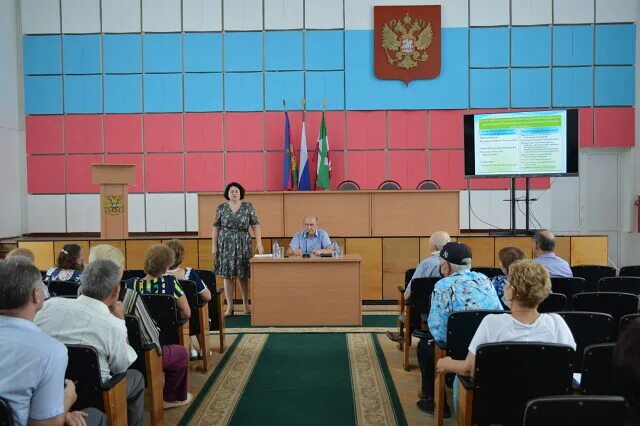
(515, 144)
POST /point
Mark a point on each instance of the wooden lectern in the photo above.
(114, 202)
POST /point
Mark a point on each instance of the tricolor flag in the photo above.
(304, 182)
(290, 172)
(324, 161)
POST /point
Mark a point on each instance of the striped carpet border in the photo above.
(270, 330)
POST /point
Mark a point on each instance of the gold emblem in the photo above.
(113, 204)
(399, 36)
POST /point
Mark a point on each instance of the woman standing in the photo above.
(231, 243)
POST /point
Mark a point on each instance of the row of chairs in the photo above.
(349, 185)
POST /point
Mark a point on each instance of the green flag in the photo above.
(324, 161)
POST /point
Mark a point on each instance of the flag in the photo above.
(304, 182)
(324, 161)
(290, 171)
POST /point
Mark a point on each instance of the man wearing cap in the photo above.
(460, 290)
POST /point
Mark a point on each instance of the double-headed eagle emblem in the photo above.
(408, 38)
(113, 204)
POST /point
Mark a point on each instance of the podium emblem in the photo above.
(113, 204)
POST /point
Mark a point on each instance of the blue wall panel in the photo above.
(123, 93)
(288, 85)
(616, 44)
(122, 53)
(489, 88)
(43, 94)
(162, 52)
(203, 52)
(325, 86)
(530, 87)
(203, 92)
(42, 54)
(324, 50)
(615, 86)
(489, 47)
(283, 50)
(243, 91)
(573, 87)
(573, 45)
(83, 94)
(163, 93)
(81, 54)
(530, 46)
(243, 51)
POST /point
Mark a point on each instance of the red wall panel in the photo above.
(366, 130)
(274, 135)
(123, 133)
(407, 129)
(78, 169)
(408, 168)
(246, 168)
(243, 131)
(136, 159)
(203, 131)
(615, 127)
(44, 134)
(366, 168)
(163, 172)
(335, 122)
(45, 174)
(163, 132)
(447, 168)
(83, 134)
(446, 129)
(204, 172)
(585, 127)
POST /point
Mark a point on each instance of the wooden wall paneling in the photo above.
(190, 253)
(204, 254)
(43, 252)
(398, 255)
(523, 243)
(370, 249)
(482, 250)
(84, 246)
(136, 250)
(425, 250)
(589, 250)
(563, 248)
(119, 244)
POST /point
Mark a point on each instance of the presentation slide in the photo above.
(523, 143)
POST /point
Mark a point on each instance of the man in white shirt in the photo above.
(96, 319)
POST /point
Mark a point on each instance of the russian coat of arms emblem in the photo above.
(113, 204)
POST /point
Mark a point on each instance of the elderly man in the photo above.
(311, 240)
(96, 319)
(544, 243)
(33, 365)
(460, 290)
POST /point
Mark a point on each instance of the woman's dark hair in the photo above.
(178, 252)
(68, 257)
(237, 185)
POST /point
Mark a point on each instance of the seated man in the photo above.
(311, 240)
(544, 243)
(460, 290)
(96, 319)
(33, 365)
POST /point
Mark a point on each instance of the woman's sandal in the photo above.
(227, 315)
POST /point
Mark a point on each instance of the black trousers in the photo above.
(426, 360)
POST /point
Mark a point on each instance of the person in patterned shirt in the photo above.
(69, 265)
(460, 290)
(507, 256)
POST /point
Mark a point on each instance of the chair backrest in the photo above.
(133, 273)
(5, 414)
(582, 410)
(630, 271)
(209, 279)
(421, 289)
(509, 374)
(428, 184)
(408, 274)
(461, 327)
(593, 273)
(62, 288)
(625, 321)
(162, 309)
(620, 284)
(598, 377)
(84, 369)
(588, 328)
(615, 304)
(568, 287)
(191, 292)
(348, 185)
(389, 185)
(488, 271)
(135, 341)
(555, 302)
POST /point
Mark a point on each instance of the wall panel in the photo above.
(370, 249)
(398, 255)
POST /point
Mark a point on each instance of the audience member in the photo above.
(311, 240)
(626, 361)
(21, 251)
(544, 244)
(461, 289)
(507, 256)
(33, 365)
(96, 319)
(182, 273)
(69, 265)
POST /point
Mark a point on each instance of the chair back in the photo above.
(625, 321)
(488, 271)
(582, 410)
(509, 374)
(461, 327)
(62, 288)
(133, 273)
(421, 289)
(620, 284)
(389, 185)
(135, 341)
(555, 302)
(162, 308)
(630, 271)
(209, 278)
(408, 274)
(568, 287)
(348, 185)
(592, 274)
(5, 414)
(598, 377)
(428, 184)
(84, 369)
(191, 292)
(588, 328)
(615, 304)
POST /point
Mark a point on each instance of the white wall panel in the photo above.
(11, 175)
(601, 178)
(83, 212)
(319, 14)
(564, 208)
(573, 11)
(136, 213)
(121, 16)
(530, 12)
(40, 16)
(192, 212)
(489, 12)
(616, 10)
(161, 16)
(165, 213)
(202, 15)
(359, 13)
(10, 112)
(242, 15)
(488, 210)
(283, 14)
(80, 16)
(46, 213)
(539, 210)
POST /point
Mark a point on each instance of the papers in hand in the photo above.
(263, 255)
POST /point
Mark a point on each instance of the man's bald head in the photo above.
(310, 224)
(545, 241)
(438, 239)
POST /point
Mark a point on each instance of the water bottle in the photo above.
(335, 249)
(276, 250)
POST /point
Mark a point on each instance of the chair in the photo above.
(163, 310)
(348, 185)
(620, 284)
(83, 368)
(507, 375)
(62, 288)
(568, 287)
(615, 304)
(555, 302)
(588, 328)
(582, 410)
(149, 363)
(592, 274)
(625, 321)
(428, 184)
(598, 377)
(5, 414)
(199, 321)
(389, 185)
(630, 271)
(133, 273)
(216, 319)
(488, 271)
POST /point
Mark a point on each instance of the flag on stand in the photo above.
(290, 171)
(304, 182)
(324, 161)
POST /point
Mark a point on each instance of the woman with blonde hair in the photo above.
(182, 273)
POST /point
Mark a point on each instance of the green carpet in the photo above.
(390, 320)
